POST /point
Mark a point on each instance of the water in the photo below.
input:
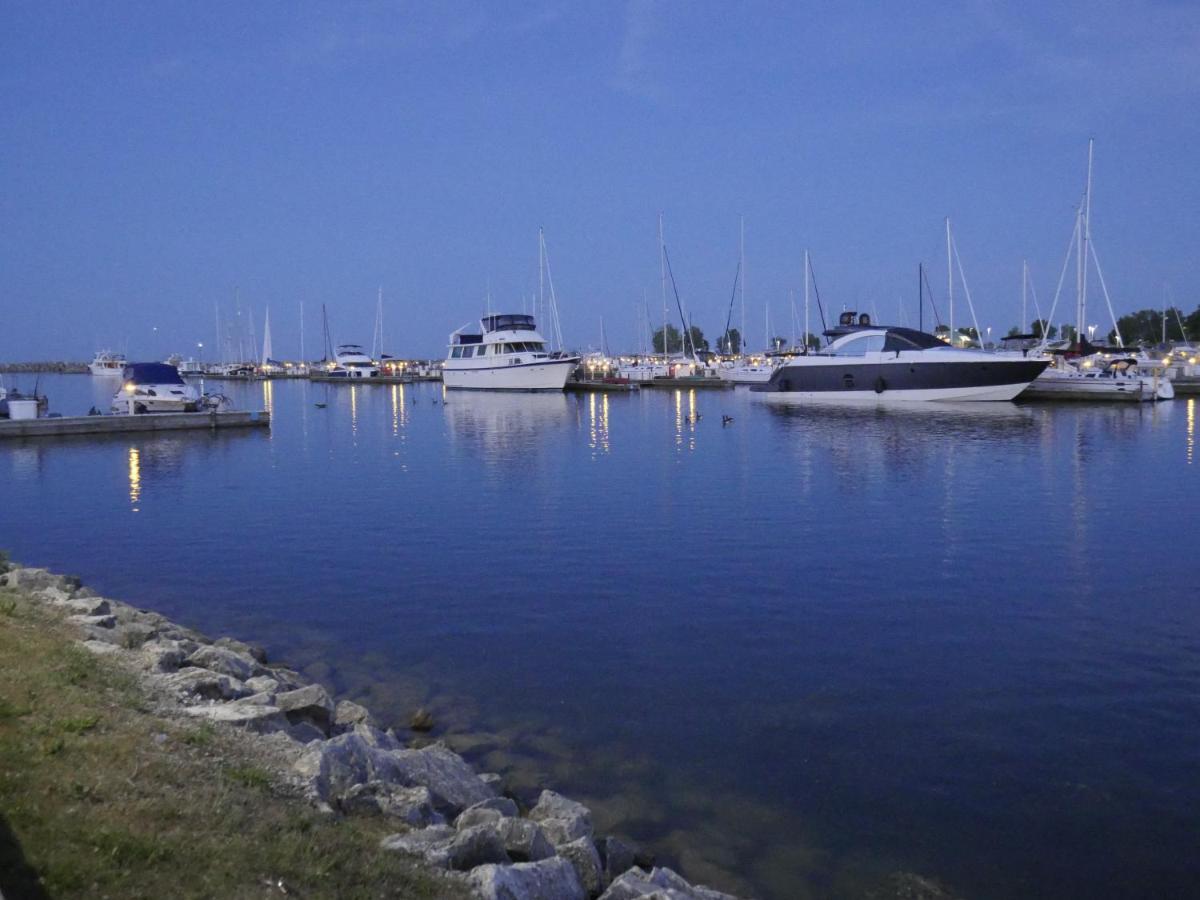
(791, 654)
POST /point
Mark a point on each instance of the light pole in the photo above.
(1091, 333)
(200, 349)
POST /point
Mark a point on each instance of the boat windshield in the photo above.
(507, 323)
(152, 373)
(910, 339)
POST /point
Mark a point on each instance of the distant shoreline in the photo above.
(59, 368)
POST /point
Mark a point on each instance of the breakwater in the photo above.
(448, 817)
(60, 368)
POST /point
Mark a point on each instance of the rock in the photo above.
(491, 779)
(262, 684)
(491, 810)
(190, 684)
(669, 878)
(106, 621)
(307, 704)
(582, 855)
(631, 884)
(162, 656)
(384, 740)
(347, 714)
(616, 857)
(524, 841)
(414, 806)
(562, 819)
(33, 580)
(303, 732)
(86, 606)
(335, 766)
(250, 716)
(453, 783)
(909, 886)
(471, 848)
(255, 652)
(289, 679)
(417, 843)
(100, 648)
(422, 720)
(224, 662)
(547, 879)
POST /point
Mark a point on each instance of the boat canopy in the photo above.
(152, 373)
(507, 322)
(910, 339)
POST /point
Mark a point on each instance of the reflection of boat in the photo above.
(154, 388)
(890, 364)
(106, 363)
(509, 355)
(500, 421)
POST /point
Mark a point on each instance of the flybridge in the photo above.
(507, 322)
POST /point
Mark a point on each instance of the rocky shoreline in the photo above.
(448, 816)
(60, 368)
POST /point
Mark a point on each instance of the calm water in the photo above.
(791, 653)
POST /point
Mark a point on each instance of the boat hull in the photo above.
(550, 375)
(901, 381)
(1057, 385)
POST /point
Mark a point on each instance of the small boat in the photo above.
(1112, 380)
(154, 388)
(892, 364)
(508, 355)
(351, 361)
(107, 364)
(17, 405)
(747, 370)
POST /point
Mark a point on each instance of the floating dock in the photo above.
(1187, 385)
(688, 382)
(54, 427)
(581, 387)
(378, 379)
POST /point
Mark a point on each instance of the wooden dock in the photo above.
(55, 427)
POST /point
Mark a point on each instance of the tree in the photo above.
(1146, 326)
(1013, 332)
(696, 341)
(1041, 327)
(674, 340)
(730, 343)
(812, 341)
(1069, 334)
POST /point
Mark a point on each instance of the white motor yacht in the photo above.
(108, 364)
(890, 364)
(747, 370)
(1117, 380)
(351, 361)
(509, 355)
(154, 388)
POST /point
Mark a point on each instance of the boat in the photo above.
(191, 366)
(888, 364)
(351, 361)
(507, 355)
(154, 388)
(17, 405)
(1119, 380)
(107, 364)
(747, 370)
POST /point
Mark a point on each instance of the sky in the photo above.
(159, 160)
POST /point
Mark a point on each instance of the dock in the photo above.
(1187, 385)
(583, 387)
(377, 379)
(688, 382)
(150, 422)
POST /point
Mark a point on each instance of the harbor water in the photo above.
(791, 653)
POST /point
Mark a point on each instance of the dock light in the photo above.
(129, 387)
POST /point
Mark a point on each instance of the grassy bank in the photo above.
(103, 796)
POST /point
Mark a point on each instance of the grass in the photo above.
(100, 796)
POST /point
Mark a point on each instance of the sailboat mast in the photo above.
(950, 281)
(1085, 237)
(662, 265)
(742, 285)
(806, 302)
(302, 362)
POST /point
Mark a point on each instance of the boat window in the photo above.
(482, 350)
(536, 347)
(468, 352)
(456, 353)
(859, 346)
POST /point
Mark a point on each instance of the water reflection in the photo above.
(268, 392)
(135, 477)
(1191, 428)
(499, 424)
(598, 422)
(685, 425)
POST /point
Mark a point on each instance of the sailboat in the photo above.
(1079, 371)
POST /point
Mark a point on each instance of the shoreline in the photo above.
(450, 820)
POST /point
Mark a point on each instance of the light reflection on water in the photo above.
(821, 644)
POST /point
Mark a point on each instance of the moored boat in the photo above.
(508, 355)
(888, 364)
(108, 364)
(154, 388)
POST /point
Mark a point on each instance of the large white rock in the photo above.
(581, 853)
(562, 819)
(547, 879)
(251, 716)
(190, 684)
(310, 703)
(225, 661)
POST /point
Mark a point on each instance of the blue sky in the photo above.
(157, 156)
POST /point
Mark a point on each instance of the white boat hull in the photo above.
(1054, 384)
(550, 375)
(746, 374)
(916, 395)
(106, 371)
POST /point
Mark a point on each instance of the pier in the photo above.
(68, 425)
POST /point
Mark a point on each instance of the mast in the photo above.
(950, 281)
(920, 296)
(1024, 289)
(302, 362)
(742, 333)
(662, 265)
(805, 303)
(267, 349)
(217, 310)
(541, 277)
(1085, 237)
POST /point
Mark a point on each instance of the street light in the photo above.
(1091, 332)
(200, 348)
